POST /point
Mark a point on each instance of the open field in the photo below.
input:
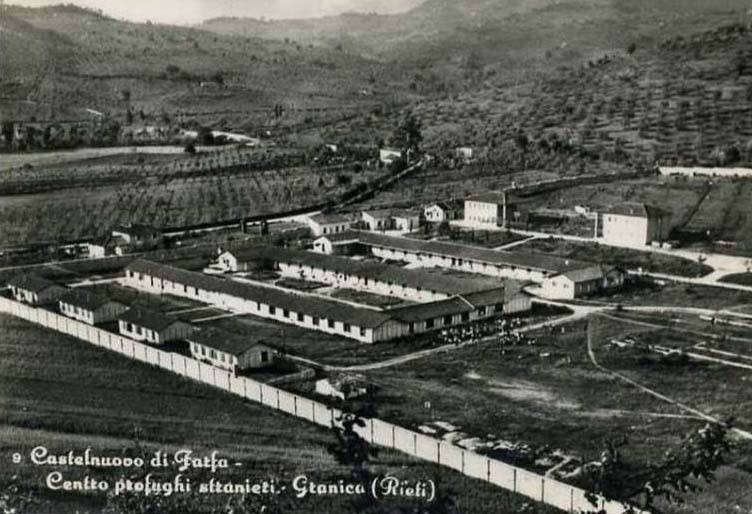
(549, 395)
(644, 291)
(744, 279)
(626, 258)
(64, 394)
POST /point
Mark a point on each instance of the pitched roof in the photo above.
(345, 236)
(148, 319)
(495, 197)
(586, 274)
(85, 299)
(233, 344)
(638, 210)
(294, 302)
(327, 219)
(426, 311)
(31, 282)
(425, 279)
(550, 264)
(448, 205)
(379, 213)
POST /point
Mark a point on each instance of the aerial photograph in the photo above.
(375, 256)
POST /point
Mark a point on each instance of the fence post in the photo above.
(415, 444)
(438, 452)
(277, 398)
(394, 441)
(488, 469)
(514, 480)
(543, 490)
(463, 461)
(372, 438)
(571, 500)
(295, 405)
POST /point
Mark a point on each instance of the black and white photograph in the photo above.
(375, 256)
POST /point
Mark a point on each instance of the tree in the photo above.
(680, 471)
(408, 134)
(8, 131)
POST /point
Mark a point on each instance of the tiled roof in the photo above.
(426, 279)
(224, 342)
(379, 213)
(85, 299)
(31, 282)
(148, 319)
(535, 261)
(293, 302)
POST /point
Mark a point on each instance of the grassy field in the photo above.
(626, 258)
(647, 292)
(67, 395)
(549, 396)
(744, 279)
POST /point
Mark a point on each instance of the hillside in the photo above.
(59, 61)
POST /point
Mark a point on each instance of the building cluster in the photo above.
(126, 239)
(228, 351)
(556, 277)
(325, 314)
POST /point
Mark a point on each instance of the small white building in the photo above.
(389, 155)
(230, 351)
(138, 236)
(90, 307)
(34, 290)
(636, 224)
(485, 210)
(581, 282)
(324, 224)
(464, 152)
(344, 243)
(406, 221)
(378, 220)
(441, 212)
(152, 327)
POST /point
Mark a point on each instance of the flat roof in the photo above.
(535, 261)
(425, 279)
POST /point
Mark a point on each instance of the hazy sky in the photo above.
(194, 11)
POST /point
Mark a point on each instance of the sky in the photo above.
(195, 11)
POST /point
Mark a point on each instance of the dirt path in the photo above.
(686, 408)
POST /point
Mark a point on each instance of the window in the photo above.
(465, 317)
(315, 322)
(213, 354)
(330, 323)
(429, 323)
(272, 310)
(346, 327)
(362, 332)
(286, 313)
(499, 307)
(448, 320)
(264, 356)
(412, 327)
(481, 311)
(301, 317)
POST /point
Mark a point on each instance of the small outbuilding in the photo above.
(343, 386)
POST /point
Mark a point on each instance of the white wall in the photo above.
(627, 230)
